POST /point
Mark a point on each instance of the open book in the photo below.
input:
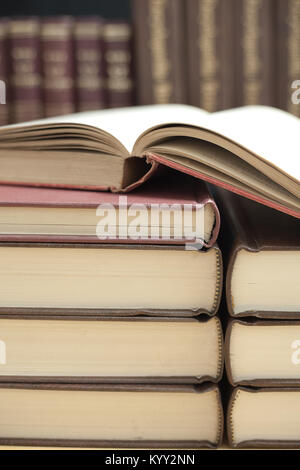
(252, 151)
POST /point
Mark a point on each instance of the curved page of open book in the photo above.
(252, 151)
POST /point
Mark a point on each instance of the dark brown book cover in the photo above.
(117, 388)
(119, 311)
(58, 65)
(89, 63)
(118, 60)
(25, 69)
(288, 55)
(210, 41)
(4, 98)
(254, 54)
(259, 382)
(253, 227)
(257, 443)
(160, 56)
(146, 379)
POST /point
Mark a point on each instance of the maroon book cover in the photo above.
(25, 69)
(118, 64)
(58, 66)
(4, 105)
(89, 63)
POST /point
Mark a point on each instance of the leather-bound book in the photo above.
(288, 55)
(210, 42)
(263, 247)
(263, 353)
(264, 417)
(160, 55)
(25, 69)
(254, 52)
(4, 96)
(155, 416)
(89, 63)
(58, 65)
(118, 61)
(110, 350)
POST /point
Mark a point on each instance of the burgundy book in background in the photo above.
(25, 69)
(288, 55)
(89, 63)
(58, 65)
(254, 55)
(4, 105)
(118, 64)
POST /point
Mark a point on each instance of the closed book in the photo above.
(288, 55)
(263, 250)
(120, 149)
(181, 212)
(109, 279)
(210, 42)
(89, 63)
(58, 65)
(159, 44)
(263, 353)
(264, 417)
(110, 350)
(25, 69)
(254, 52)
(118, 64)
(163, 416)
(4, 97)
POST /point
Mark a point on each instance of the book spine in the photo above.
(288, 58)
(58, 66)
(160, 58)
(89, 64)
(25, 69)
(118, 64)
(210, 54)
(4, 105)
(255, 37)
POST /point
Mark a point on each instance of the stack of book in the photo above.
(262, 338)
(111, 278)
(58, 65)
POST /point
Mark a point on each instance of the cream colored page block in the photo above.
(107, 278)
(265, 352)
(111, 349)
(266, 416)
(267, 280)
(109, 415)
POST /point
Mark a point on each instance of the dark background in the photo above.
(110, 9)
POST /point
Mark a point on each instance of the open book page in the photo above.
(268, 132)
(127, 124)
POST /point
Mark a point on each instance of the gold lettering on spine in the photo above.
(161, 69)
(293, 50)
(252, 65)
(208, 63)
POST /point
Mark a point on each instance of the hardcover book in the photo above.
(89, 63)
(58, 65)
(163, 416)
(263, 353)
(115, 350)
(177, 213)
(267, 417)
(119, 149)
(263, 251)
(25, 69)
(109, 279)
(4, 101)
